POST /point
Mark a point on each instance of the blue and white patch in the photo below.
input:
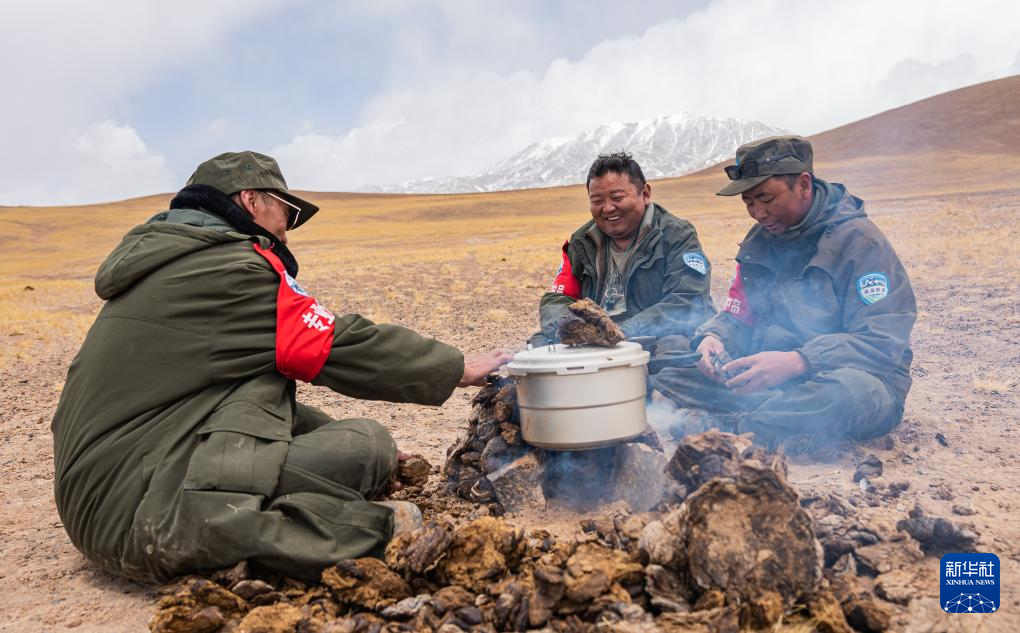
(294, 285)
(873, 287)
(696, 261)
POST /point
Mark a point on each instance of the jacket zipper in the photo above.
(634, 264)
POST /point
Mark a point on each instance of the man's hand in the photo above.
(764, 370)
(478, 366)
(709, 347)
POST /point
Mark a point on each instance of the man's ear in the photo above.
(646, 192)
(804, 184)
(246, 200)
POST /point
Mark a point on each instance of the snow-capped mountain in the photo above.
(667, 146)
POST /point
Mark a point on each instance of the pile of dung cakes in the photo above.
(741, 552)
(491, 465)
(492, 441)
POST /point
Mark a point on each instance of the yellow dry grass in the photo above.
(383, 244)
(36, 313)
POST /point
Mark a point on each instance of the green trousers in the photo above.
(825, 407)
(350, 459)
(293, 497)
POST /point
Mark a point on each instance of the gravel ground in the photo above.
(957, 446)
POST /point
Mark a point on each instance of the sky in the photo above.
(109, 100)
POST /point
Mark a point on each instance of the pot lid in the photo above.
(565, 359)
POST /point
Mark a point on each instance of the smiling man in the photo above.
(643, 265)
(818, 317)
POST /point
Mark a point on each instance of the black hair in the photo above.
(619, 163)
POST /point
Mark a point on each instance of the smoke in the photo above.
(677, 423)
(579, 479)
(911, 79)
(585, 480)
(663, 417)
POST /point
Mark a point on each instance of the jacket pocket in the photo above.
(242, 447)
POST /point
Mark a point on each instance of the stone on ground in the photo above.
(518, 485)
(639, 476)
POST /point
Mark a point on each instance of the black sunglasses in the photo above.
(749, 169)
(293, 211)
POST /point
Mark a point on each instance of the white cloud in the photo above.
(465, 83)
(111, 161)
(65, 65)
(910, 79)
(218, 127)
(804, 65)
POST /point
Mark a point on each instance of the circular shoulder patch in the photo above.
(873, 287)
(294, 285)
(696, 261)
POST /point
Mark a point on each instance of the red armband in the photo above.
(737, 303)
(565, 282)
(304, 329)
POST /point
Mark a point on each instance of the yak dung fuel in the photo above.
(936, 534)
(414, 471)
(588, 324)
(481, 553)
(366, 583)
(278, 618)
(747, 535)
(492, 441)
(704, 456)
(594, 570)
(420, 551)
(180, 619)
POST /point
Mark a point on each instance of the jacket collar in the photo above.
(648, 231)
(832, 206)
(216, 202)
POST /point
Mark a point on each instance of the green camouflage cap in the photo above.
(759, 160)
(236, 171)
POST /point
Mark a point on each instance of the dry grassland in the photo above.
(394, 241)
(469, 269)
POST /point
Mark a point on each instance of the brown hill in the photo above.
(979, 119)
(963, 141)
(966, 140)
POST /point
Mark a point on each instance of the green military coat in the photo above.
(174, 422)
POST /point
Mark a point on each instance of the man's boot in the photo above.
(406, 516)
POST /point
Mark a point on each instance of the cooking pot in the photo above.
(583, 397)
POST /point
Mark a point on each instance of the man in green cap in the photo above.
(640, 263)
(178, 443)
(818, 317)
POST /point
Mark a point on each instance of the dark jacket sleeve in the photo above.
(389, 362)
(734, 334)
(876, 335)
(565, 290)
(686, 299)
(367, 360)
(551, 308)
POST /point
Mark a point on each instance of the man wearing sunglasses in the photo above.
(818, 317)
(179, 445)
